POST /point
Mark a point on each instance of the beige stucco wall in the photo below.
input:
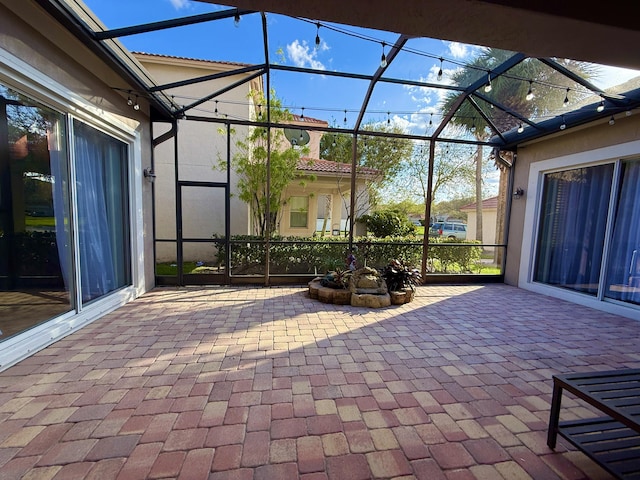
(489, 222)
(579, 141)
(30, 34)
(201, 146)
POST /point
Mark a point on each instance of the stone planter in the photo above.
(398, 298)
(402, 296)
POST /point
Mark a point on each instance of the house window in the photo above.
(576, 232)
(298, 211)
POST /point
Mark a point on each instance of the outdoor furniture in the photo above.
(613, 440)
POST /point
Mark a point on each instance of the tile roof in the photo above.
(190, 59)
(487, 203)
(298, 118)
(316, 165)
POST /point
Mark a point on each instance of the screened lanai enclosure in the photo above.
(253, 187)
(280, 145)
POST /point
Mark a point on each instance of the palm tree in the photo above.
(528, 88)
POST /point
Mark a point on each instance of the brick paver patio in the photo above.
(268, 384)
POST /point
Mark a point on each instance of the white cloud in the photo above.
(304, 56)
(458, 50)
(180, 4)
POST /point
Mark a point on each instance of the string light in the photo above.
(129, 100)
(487, 87)
(136, 105)
(600, 105)
(530, 92)
(440, 71)
(318, 35)
(345, 117)
(302, 115)
(388, 118)
(431, 120)
(333, 144)
(612, 120)
(383, 59)
(566, 99)
(236, 19)
(563, 125)
(520, 128)
(216, 110)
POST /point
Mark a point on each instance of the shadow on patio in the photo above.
(266, 383)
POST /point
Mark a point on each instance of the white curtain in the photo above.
(96, 252)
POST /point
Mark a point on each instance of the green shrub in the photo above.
(388, 223)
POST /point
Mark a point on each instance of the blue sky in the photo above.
(292, 42)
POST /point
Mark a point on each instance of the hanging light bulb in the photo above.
(439, 77)
(333, 144)
(236, 19)
(383, 59)
(259, 109)
(530, 92)
(473, 124)
(566, 99)
(612, 120)
(345, 117)
(600, 105)
(487, 87)
(563, 125)
(136, 105)
(129, 100)
(302, 114)
(388, 118)
(318, 35)
(431, 120)
(216, 110)
(520, 128)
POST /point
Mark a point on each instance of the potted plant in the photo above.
(401, 280)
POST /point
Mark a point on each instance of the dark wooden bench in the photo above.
(613, 440)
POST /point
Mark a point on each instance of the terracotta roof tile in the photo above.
(307, 164)
(487, 203)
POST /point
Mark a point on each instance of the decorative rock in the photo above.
(367, 280)
(370, 301)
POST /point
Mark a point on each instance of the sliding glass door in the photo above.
(589, 231)
(64, 214)
(36, 280)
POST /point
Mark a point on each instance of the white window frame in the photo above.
(537, 171)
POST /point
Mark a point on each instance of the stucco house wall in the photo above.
(489, 220)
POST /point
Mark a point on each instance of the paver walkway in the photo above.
(268, 384)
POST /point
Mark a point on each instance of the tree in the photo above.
(510, 91)
(379, 159)
(257, 151)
